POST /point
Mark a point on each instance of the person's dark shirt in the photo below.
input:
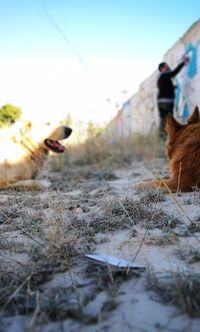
(165, 84)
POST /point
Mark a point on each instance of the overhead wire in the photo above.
(63, 35)
(76, 53)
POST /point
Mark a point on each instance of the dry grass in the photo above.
(162, 240)
(179, 289)
(106, 151)
(190, 254)
(55, 234)
(45, 235)
(194, 226)
(126, 212)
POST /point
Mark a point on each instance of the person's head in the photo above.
(163, 67)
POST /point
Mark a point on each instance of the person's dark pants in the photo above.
(164, 109)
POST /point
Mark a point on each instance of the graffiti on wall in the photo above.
(185, 90)
(139, 114)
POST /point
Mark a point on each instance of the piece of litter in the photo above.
(113, 261)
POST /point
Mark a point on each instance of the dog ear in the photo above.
(172, 126)
(194, 117)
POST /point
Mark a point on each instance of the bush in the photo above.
(9, 114)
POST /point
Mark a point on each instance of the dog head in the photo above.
(52, 141)
(45, 136)
(183, 137)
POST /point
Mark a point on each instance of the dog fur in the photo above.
(23, 150)
(183, 152)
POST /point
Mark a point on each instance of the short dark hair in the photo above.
(161, 65)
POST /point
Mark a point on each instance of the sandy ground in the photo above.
(47, 284)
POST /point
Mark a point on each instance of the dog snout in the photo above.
(68, 131)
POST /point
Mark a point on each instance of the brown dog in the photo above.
(23, 150)
(183, 152)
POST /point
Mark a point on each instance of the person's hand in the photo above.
(185, 59)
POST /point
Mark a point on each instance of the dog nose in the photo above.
(68, 131)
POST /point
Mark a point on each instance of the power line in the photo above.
(63, 35)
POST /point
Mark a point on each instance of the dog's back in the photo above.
(183, 151)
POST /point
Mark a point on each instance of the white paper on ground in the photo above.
(114, 261)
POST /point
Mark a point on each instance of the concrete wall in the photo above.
(139, 114)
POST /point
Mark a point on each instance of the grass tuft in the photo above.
(179, 289)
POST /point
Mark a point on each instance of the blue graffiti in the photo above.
(192, 66)
(177, 93)
(192, 70)
(186, 110)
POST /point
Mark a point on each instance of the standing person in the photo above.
(166, 91)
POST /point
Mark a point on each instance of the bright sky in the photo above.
(84, 56)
